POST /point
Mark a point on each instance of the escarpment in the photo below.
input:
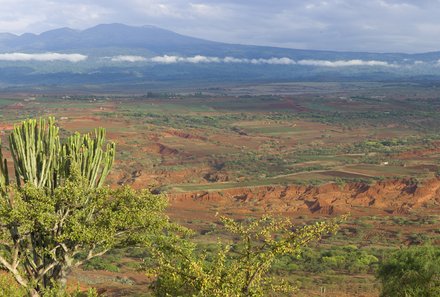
(391, 196)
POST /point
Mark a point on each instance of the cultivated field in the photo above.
(249, 150)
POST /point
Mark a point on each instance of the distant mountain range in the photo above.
(121, 54)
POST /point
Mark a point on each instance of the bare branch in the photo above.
(14, 272)
(6, 264)
(42, 273)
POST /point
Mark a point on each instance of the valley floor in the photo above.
(316, 151)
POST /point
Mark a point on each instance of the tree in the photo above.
(241, 268)
(411, 272)
(57, 213)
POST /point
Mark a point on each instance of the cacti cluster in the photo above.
(87, 153)
(4, 176)
(35, 146)
(42, 159)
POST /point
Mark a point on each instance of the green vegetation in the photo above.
(343, 259)
(412, 272)
(240, 268)
(56, 215)
(225, 139)
(260, 137)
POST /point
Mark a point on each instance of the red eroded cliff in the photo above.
(392, 196)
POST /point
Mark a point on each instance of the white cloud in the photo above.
(235, 60)
(274, 61)
(177, 59)
(202, 59)
(344, 63)
(131, 59)
(44, 57)
(198, 59)
(270, 61)
(165, 59)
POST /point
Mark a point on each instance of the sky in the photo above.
(344, 25)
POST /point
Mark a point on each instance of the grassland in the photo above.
(249, 136)
(198, 140)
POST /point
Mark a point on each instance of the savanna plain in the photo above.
(305, 151)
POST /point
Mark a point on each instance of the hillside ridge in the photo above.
(395, 196)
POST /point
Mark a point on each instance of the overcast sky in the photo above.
(354, 25)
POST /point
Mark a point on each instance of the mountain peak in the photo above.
(59, 31)
(110, 26)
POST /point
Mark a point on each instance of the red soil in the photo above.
(392, 196)
(184, 135)
(419, 153)
(6, 127)
(159, 148)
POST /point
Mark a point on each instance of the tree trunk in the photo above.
(62, 278)
(34, 293)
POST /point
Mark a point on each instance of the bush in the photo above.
(241, 268)
(412, 272)
(101, 264)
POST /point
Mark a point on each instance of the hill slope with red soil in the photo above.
(390, 196)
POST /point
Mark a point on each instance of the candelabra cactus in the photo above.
(56, 215)
(4, 176)
(40, 158)
(87, 154)
(35, 146)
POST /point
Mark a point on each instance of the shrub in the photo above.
(411, 272)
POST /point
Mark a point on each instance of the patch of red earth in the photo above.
(82, 122)
(420, 153)
(161, 149)
(123, 283)
(391, 196)
(6, 127)
(18, 105)
(140, 179)
(184, 135)
(169, 177)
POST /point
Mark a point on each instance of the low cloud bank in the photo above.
(176, 59)
(271, 61)
(45, 57)
(204, 59)
(344, 63)
(131, 59)
(198, 59)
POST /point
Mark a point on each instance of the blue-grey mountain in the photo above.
(117, 53)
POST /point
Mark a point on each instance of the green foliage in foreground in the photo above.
(9, 288)
(56, 215)
(44, 235)
(240, 268)
(412, 272)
